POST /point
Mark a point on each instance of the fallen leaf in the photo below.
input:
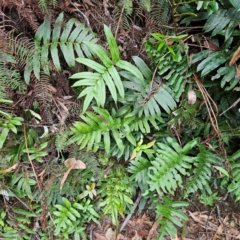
(75, 164)
(136, 237)
(99, 236)
(41, 175)
(110, 234)
(11, 168)
(237, 71)
(72, 163)
(210, 45)
(235, 57)
(153, 230)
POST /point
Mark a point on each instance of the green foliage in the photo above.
(44, 4)
(170, 164)
(47, 41)
(146, 94)
(172, 62)
(105, 74)
(70, 217)
(7, 123)
(202, 172)
(209, 200)
(99, 128)
(234, 185)
(116, 194)
(131, 111)
(19, 227)
(222, 20)
(170, 216)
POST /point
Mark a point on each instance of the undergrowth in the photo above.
(157, 128)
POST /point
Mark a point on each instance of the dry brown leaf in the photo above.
(52, 89)
(72, 163)
(75, 164)
(154, 229)
(41, 175)
(89, 2)
(210, 45)
(110, 234)
(192, 97)
(235, 57)
(237, 71)
(11, 168)
(136, 237)
(99, 236)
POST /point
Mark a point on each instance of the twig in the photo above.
(232, 106)
(20, 200)
(173, 17)
(116, 32)
(85, 17)
(130, 214)
(221, 221)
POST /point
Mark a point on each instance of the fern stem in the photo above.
(27, 151)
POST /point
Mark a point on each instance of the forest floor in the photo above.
(219, 222)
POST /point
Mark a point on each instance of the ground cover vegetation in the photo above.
(114, 111)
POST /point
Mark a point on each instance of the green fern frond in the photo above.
(66, 36)
(170, 164)
(97, 130)
(61, 140)
(157, 19)
(234, 186)
(128, 6)
(104, 75)
(202, 172)
(139, 170)
(146, 95)
(213, 61)
(144, 124)
(221, 20)
(170, 216)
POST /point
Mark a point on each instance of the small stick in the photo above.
(130, 214)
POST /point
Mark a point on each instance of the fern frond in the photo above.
(170, 216)
(139, 170)
(222, 20)
(69, 39)
(202, 172)
(170, 164)
(61, 140)
(146, 95)
(158, 17)
(234, 186)
(99, 129)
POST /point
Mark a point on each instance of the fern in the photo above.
(116, 194)
(61, 140)
(202, 172)
(66, 37)
(170, 216)
(44, 4)
(221, 20)
(105, 74)
(213, 61)
(146, 95)
(235, 165)
(170, 164)
(139, 170)
(97, 128)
